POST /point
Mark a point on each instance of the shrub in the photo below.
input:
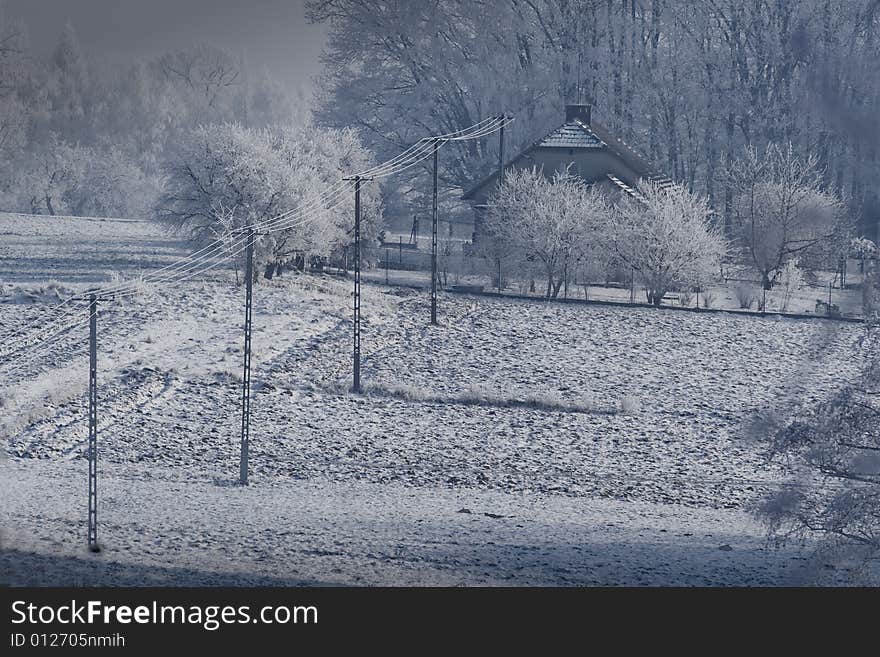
(745, 296)
(791, 279)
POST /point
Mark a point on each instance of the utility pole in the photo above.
(246, 378)
(356, 360)
(501, 150)
(500, 180)
(357, 284)
(93, 423)
(434, 241)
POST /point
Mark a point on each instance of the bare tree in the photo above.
(781, 210)
(205, 70)
(15, 115)
(497, 254)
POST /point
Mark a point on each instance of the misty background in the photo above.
(95, 86)
(272, 35)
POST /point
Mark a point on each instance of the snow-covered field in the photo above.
(516, 443)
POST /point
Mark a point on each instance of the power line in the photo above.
(402, 161)
(58, 326)
(221, 250)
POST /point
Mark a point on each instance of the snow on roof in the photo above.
(631, 191)
(661, 181)
(571, 135)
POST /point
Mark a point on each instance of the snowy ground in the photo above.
(517, 443)
(332, 532)
(722, 297)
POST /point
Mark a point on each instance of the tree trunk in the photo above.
(655, 297)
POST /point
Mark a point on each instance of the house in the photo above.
(582, 145)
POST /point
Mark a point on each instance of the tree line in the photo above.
(662, 237)
(693, 85)
(192, 137)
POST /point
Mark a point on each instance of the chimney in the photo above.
(581, 112)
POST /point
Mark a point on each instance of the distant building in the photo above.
(583, 146)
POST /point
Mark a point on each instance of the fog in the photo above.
(273, 35)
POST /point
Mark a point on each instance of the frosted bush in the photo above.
(791, 280)
(745, 296)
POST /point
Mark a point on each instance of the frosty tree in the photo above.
(791, 280)
(227, 176)
(838, 441)
(781, 211)
(71, 179)
(223, 170)
(688, 83)
(548, 221)
(318, 158)
(666, 237)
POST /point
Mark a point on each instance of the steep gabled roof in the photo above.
(577, 134)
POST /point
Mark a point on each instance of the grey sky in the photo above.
(273, 34)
